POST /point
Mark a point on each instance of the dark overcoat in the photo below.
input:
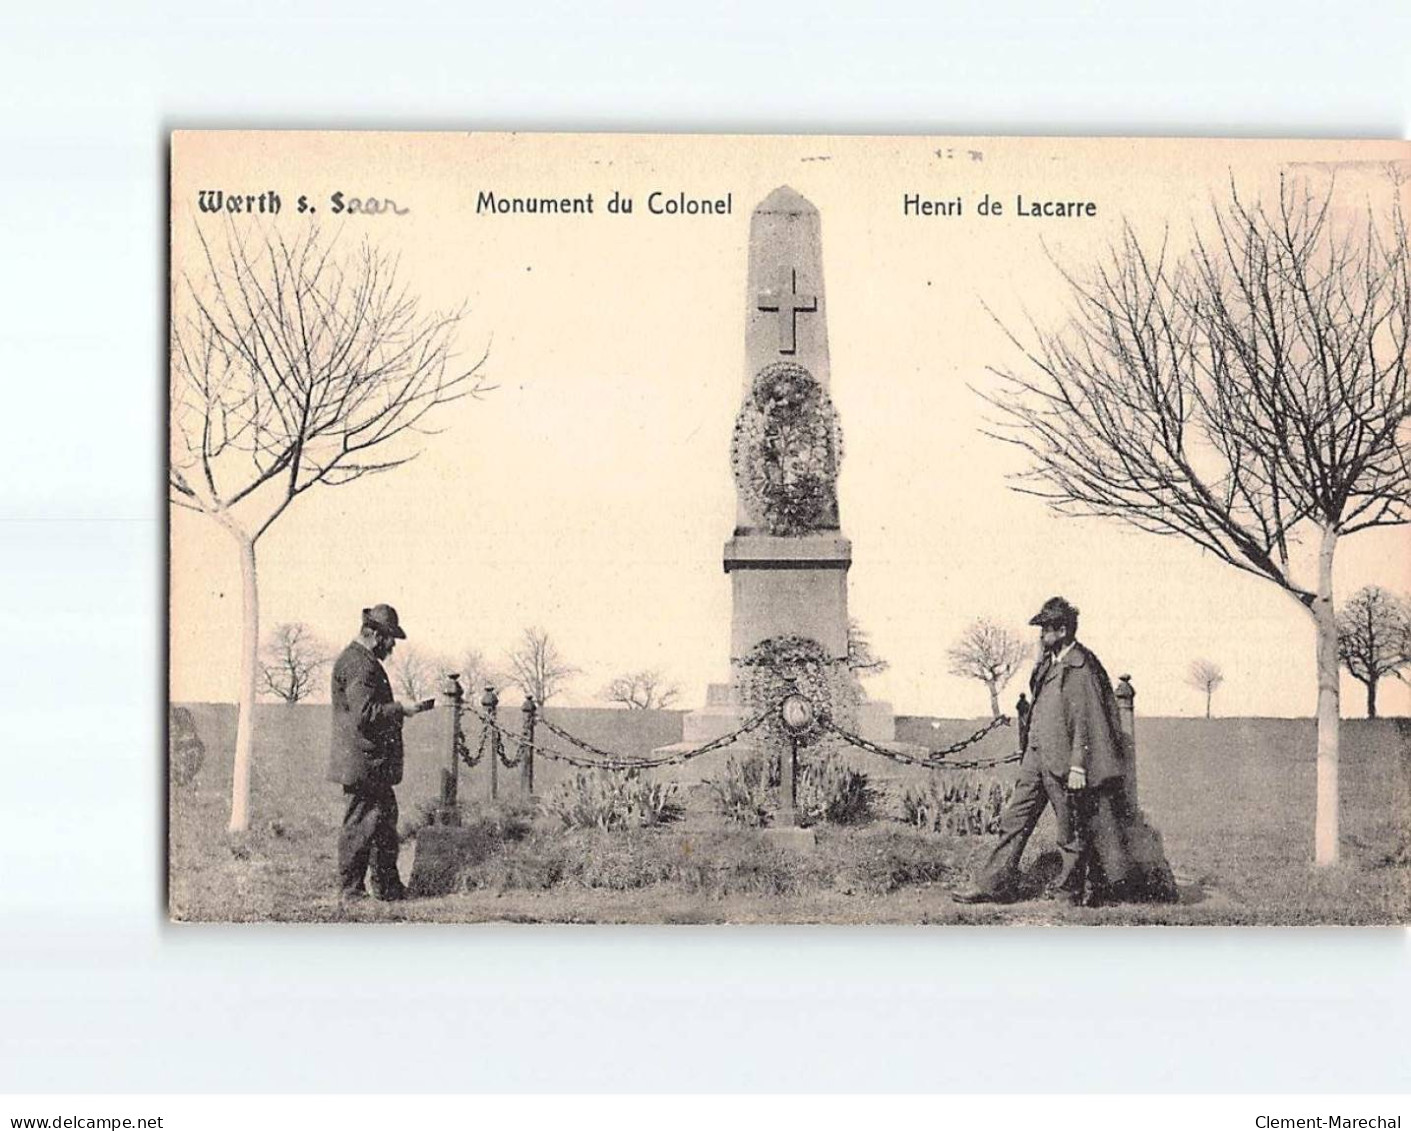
(367, 722)
(1074, 720)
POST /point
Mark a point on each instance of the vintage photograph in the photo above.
(788, 529)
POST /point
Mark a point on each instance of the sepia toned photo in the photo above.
(858, 530)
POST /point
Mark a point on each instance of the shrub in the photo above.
(509, 818)
(831, 790)
(607, 799)
(827, 789)
(743, 794)
(962, 805)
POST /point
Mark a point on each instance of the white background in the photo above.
(98, 993)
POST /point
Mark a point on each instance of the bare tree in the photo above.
(1234, 396)
(477, 672)
(989, 653)
(537, 668)
(417, 674)
(294, 366)
(863, 661)
(1374, 638)
(290, 660)
(647, 690)
(1205, 676)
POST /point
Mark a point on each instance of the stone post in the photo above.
(452, 693)
(526, 748)
(788, 785)
(489, 703)
(1127, 715)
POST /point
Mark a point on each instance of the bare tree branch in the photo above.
(646, 690)
(989, 653)
(290, 662)
(1258, 383)
(1374, 638)
(1205, 676)
(290, 365)
(537, 668)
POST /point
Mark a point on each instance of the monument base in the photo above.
(791, 840)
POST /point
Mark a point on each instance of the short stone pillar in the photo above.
(789, 786)
(526, 747)
(454, 695)
(797, 714)
(490, 703)
(1127, 716)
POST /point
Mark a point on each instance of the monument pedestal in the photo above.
(791, 840)
(788, 586)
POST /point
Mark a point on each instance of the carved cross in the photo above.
(786, 300)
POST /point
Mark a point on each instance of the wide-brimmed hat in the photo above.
(384, 619)
(1055, 611)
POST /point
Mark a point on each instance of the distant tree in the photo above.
(1205, 676)
(417, 674)
(1374, 638)
(989, 653)
(290, 662)
(1252, 390)
(537, 668)
(862, 660)
(477, 672)
(293, 366)
(647, 690)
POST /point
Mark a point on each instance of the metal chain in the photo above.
(606, 760)
(506, 761)
(936, 758)
(464, 754)
(602, 759)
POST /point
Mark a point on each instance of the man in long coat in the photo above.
(1074, 756)
(366, 757)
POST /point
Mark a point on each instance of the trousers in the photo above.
(368, 841)
(1035, 790)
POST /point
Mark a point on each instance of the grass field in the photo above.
(1233, 799)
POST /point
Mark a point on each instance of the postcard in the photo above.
(764, 529)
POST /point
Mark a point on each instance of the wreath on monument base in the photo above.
(789, 664)
(786, 450)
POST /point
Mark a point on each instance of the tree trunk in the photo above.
(994, 697)
(1325, 826)
(1208, 694)
(1371, 698)
(249, 655)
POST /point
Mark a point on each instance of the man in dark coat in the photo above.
(366, 757)
(1074, 754)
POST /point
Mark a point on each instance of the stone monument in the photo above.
(788, 560)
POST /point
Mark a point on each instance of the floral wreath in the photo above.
(789, 664)
(786, 450)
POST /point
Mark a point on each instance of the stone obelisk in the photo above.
(788, 565)
(787, 560)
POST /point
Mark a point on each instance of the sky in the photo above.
(590, 491)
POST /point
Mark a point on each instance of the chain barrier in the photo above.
(494, 734)
(936, 759)
(505, 760)
(601, 759)
(463, 752)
